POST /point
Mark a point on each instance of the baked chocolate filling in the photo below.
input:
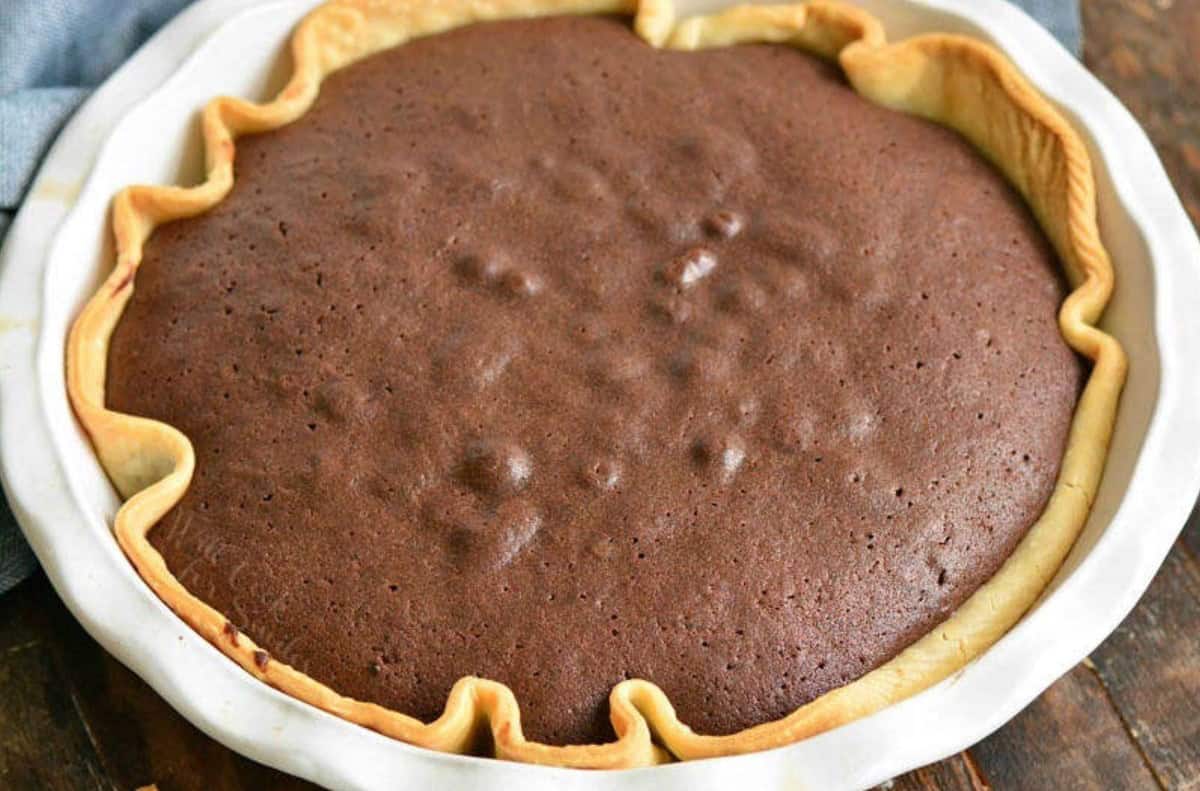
(534, 353)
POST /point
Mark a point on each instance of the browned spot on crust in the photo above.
(124, 282)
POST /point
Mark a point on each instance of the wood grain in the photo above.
(1191, 533)
(957, 773)
(44, 743)
(1150, 668)
(1069, 739)
(1147, 52)
(83, 721)
(152, 743)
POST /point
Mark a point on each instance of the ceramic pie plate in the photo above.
(142, 127)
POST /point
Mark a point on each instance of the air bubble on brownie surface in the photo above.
(795, 428)
(482, 266)
(447, 510)
(862, 419)
(472, 120)
(723, 453)
(689, 268)
(803, 241)
(718, 154)
(339, 400)
(604, 548)
(672, 308)
(615, 367)
(741, 295)
(474, 358)
(518, 283)
(700, 364)
(790, 283)
(517, 523)
(495, 467)
(658, 217)
(723, 224)
(580, 183)
(603, 474)
(494, 269)
(747, 410)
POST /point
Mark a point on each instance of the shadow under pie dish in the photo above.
(534, 353)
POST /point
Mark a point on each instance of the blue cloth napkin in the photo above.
(54, 52)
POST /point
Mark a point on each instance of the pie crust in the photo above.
(955, 80)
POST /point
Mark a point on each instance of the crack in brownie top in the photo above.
(534, 353)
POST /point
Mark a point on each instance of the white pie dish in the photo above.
(65, 503)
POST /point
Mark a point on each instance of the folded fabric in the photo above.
(54, 52)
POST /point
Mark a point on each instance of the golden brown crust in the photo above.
(951, 79)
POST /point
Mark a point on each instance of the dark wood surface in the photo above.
(71, 717)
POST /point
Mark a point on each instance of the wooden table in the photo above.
(1128, 717)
